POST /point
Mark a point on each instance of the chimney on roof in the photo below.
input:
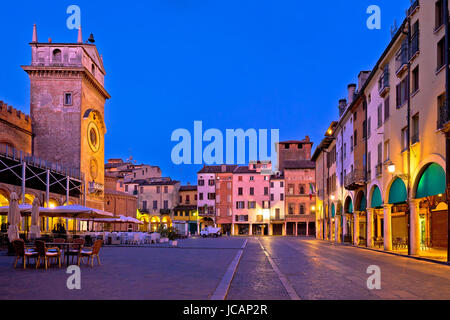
(80, 36)
(342, 106)
(35, 39)
(307, 139)
(362, 78)
(351, 92)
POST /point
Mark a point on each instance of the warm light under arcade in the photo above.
(391, 168)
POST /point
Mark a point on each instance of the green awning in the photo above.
(432, 182)
(363, 204)
(333, 211)
(376, 201)
(397, 193)
(349, 208)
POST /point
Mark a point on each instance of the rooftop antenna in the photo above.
(394, 29)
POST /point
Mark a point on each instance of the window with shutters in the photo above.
(386, 109)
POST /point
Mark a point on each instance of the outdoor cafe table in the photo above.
(66, 246)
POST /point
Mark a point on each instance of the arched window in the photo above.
(57, 57)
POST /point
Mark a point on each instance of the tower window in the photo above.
(57, 55)
(68, 99)
(93, 69)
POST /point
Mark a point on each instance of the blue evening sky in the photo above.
(231, 64)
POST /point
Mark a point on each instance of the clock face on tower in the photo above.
(93, 137)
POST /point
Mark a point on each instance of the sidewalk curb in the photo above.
(386, 252)
(221, 291)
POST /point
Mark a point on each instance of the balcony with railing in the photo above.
(354, 180)
(165, 211)
(414, 49)
(402, 58)
(443, 117)
(277, 217)
(206, 211)
(383, 83)
(379, 169)
(413, 8)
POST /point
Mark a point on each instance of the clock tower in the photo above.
(67, 109)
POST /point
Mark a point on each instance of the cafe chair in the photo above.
(23, 253)
(75, 249)
(48, 256)
(90, 253)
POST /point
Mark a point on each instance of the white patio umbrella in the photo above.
(14, 218)
(24, 208)
(35, 230)
(118, 219)
(133, 220)
(75, 212)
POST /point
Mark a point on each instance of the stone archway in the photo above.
(429, 189)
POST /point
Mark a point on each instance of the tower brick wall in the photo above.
(15, 128)
(67, 110)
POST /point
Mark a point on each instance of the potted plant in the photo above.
(173, 236)
(164, 234)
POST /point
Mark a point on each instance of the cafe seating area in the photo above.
(55, 253)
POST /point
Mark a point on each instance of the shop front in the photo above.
(375, 219)
(361, 217)
(348, 220)
(433, 208)
(398, 215)
(260, 229)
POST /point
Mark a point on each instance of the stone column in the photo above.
(250, 231)
(330, 236)
(337, 224)
(296, 229)
(344, 224)
(319, 229)
(378, 225)
(387, 227)
(355, 228)
(370, 227)
(283, 231)
(414, 222)
(270, 229)
(307, 228)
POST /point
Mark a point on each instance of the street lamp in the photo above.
(332, 197)
(391, 168)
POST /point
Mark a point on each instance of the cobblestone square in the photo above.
(313, 269)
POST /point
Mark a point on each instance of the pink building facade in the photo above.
(251, 197)
(206, 200)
